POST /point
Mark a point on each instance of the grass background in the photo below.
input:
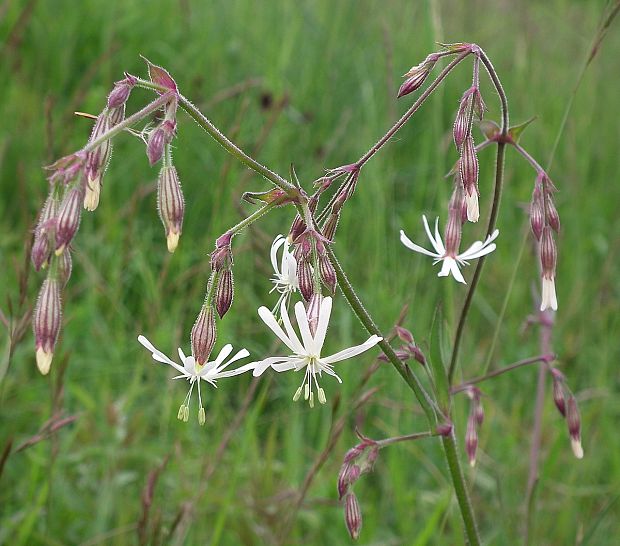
(313, 83)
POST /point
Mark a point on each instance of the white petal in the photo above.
(236, 371)
(352, 351)
(158, 355)
(240, 354)
(456, 272)
(292, 364)
(226, 350)
(549, 299)
(328, 370)
(440, 248)
(277, 243)
(416, 248)
(436, 245)
(297, 346)
(270, 321)
(321, 329)
(445, 267)
(190, 365)
(473, 210)
(262, 365)
(304, 327)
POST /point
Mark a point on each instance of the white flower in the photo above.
(210, 372)
(306, 354)
(549, 299)
(451, 261)
(285, 278)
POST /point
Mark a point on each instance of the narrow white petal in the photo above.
(292, 335)
(479, 253)
(416, 248)
(440, 248)
(436, 245)
(240, 354)
(262, 365)
(236, 371)
(456, 272)
(190, 365)
(321, 329)
(158, 355)
(292, 364)
(270, 321)
(473, 210)
(445, 267)
(304, 327)
(328, 370)
(352, 351)
(226, 350)
(549, 299)
(277, 243)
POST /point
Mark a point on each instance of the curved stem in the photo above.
(449, 442)
(497, 194)
(233, 149)
(405, 117)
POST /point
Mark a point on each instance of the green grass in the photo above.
(337, 67)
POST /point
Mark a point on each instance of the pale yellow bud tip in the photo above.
(576, 447)
(91, 197)
(173, 241)
(60, 250)
(473, 210)
(44, 360)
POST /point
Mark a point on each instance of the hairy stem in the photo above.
(497, 194)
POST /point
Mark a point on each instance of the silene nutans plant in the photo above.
(308, 278)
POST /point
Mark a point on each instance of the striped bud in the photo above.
(352, 515)
(314, 309)
(96, 161)
(65, 266)
(330, 225)
(478, 411)
(304, 278)
(120, 93)
(471, 439)
(203, 335)
(462, 122)
(417, 75)
(46, 323)
(558, 391)
(468, 169)
(170, 205)
(155, 144)
(548, 260)
(328, 273)
(553, 218)
(69, 215)
(404, 334)
(574, 426)
(453, 232)
(537, 215)
(297, 228)
(224, 292)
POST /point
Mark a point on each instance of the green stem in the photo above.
(462, 496)
(497, 194)
(251, 218)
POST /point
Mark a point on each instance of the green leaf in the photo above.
(516, 131)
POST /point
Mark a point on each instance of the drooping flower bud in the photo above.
(328, 273)
(574, 426)
(404, 334)
(155, 145)
(304, 278)
(69, 215)
(330, 225)
(224, 292)
(553, 218)
(478, 411)
(96, 162)
(41, 250)
(462, 122)
(548, 259)
(537, 215)
(46, 323)
(203, 335)
(468, 168)
(417, 75)
(170, 204)
(65, 266)
(120, 93)
(558, 391)
(471, 439)
(352, 515)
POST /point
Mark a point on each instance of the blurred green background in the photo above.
(314, 83)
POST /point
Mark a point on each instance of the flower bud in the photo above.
(304, 278)
(352, 515)
(297, 228)
(478, 411)
(170, 204)
(40, 252)
(330, 225)
(343, 480)
(328, 273)
(468, 169)
(471, 439)
(65, 266)
(574, 426)
(155, 145)
(548, 259)
(97, 161)
(69, 215)
(354, 453)
(462, 122)
(46, 323)
(452, 235)
(224, 292)
(553, 218)
(537, 215)
(203, 335)
(120, 93)
(417, 75)
(404, 334)
(558, 391)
